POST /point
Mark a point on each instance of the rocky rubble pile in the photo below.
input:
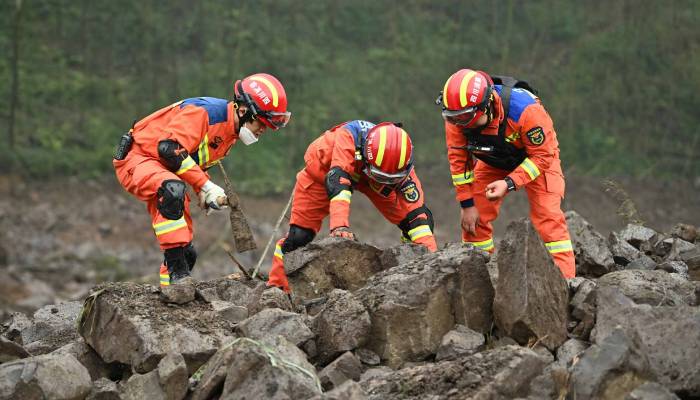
(367, 323)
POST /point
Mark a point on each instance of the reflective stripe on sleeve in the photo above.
(186, 165)
(164, 280)
(162, 228)
(560, 246)
(344, 195)
(203, 152)
(463, 179)
(419, 232)
(486, 245)
(530, 168)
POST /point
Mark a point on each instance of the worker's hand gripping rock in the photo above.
(212, 197)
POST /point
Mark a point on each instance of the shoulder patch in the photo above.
(410, 192)
(536, 135)
(217, 109)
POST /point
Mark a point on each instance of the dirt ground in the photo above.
(71, 234)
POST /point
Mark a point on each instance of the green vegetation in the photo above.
(619, 79)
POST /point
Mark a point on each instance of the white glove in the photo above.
(209, 195)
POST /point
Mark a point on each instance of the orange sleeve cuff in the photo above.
(340, 214)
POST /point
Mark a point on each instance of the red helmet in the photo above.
(388, 154)
(265, 99)
(466, 97)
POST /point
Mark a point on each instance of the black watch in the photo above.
(509, 184)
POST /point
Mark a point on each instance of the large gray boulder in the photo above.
(90, 359)
(461, 341)
(48, 376)
(235, 291)
(593, 258)
(651, 391)
(349, 390)
(622, 252)
(400, 254)
(502, 373)
(692, 260)
(104, 389)
(271, 368)
(344, 368)
(167, 382)
(656, 288)
(610, 369)
(50, 327)
(343, 324)
(273, 321)
(639, 236)
(10, 351)
(531, 295)
(689, 233)
(127, 322)
(331, 263)
(413, 305)
(667, 335)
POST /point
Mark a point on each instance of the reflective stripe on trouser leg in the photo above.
(486, 245)
(278, 276)
(562, 252)
(488, 210)
(164, 275)
(549, 221)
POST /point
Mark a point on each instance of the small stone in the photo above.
(178, 293)
(461, 341)
(229, 311)
(368, 357)
(674, 267)
(344, 368)
(689, 233)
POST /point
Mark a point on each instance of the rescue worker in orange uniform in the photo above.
(376, 160)
(501, 139)
(176, 145)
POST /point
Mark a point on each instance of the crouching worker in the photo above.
(175, 146)
(376, 160)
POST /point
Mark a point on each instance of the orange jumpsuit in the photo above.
(204, 126)
(311, 204)
(529, 131)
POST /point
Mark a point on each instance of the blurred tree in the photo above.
(619, 79)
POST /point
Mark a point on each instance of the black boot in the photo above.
(190, 256)
(177, 264)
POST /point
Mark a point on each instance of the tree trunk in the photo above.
(14, 66)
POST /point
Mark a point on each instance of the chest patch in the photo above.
(536, 136)
(216, 142)
(410, 192)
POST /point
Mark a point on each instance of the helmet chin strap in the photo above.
(245, 118)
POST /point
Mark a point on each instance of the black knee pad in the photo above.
(414, 219)
(171, 198)
(297, 237)
(190, 255)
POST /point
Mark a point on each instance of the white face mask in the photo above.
(247, 136)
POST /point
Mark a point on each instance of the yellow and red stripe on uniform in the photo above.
(164, 275)
(530, 168)
(419, 232)
(344, 195)
(278, 251)
(463, 178)
(559, 247)
(161, 228)
(486, 245)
